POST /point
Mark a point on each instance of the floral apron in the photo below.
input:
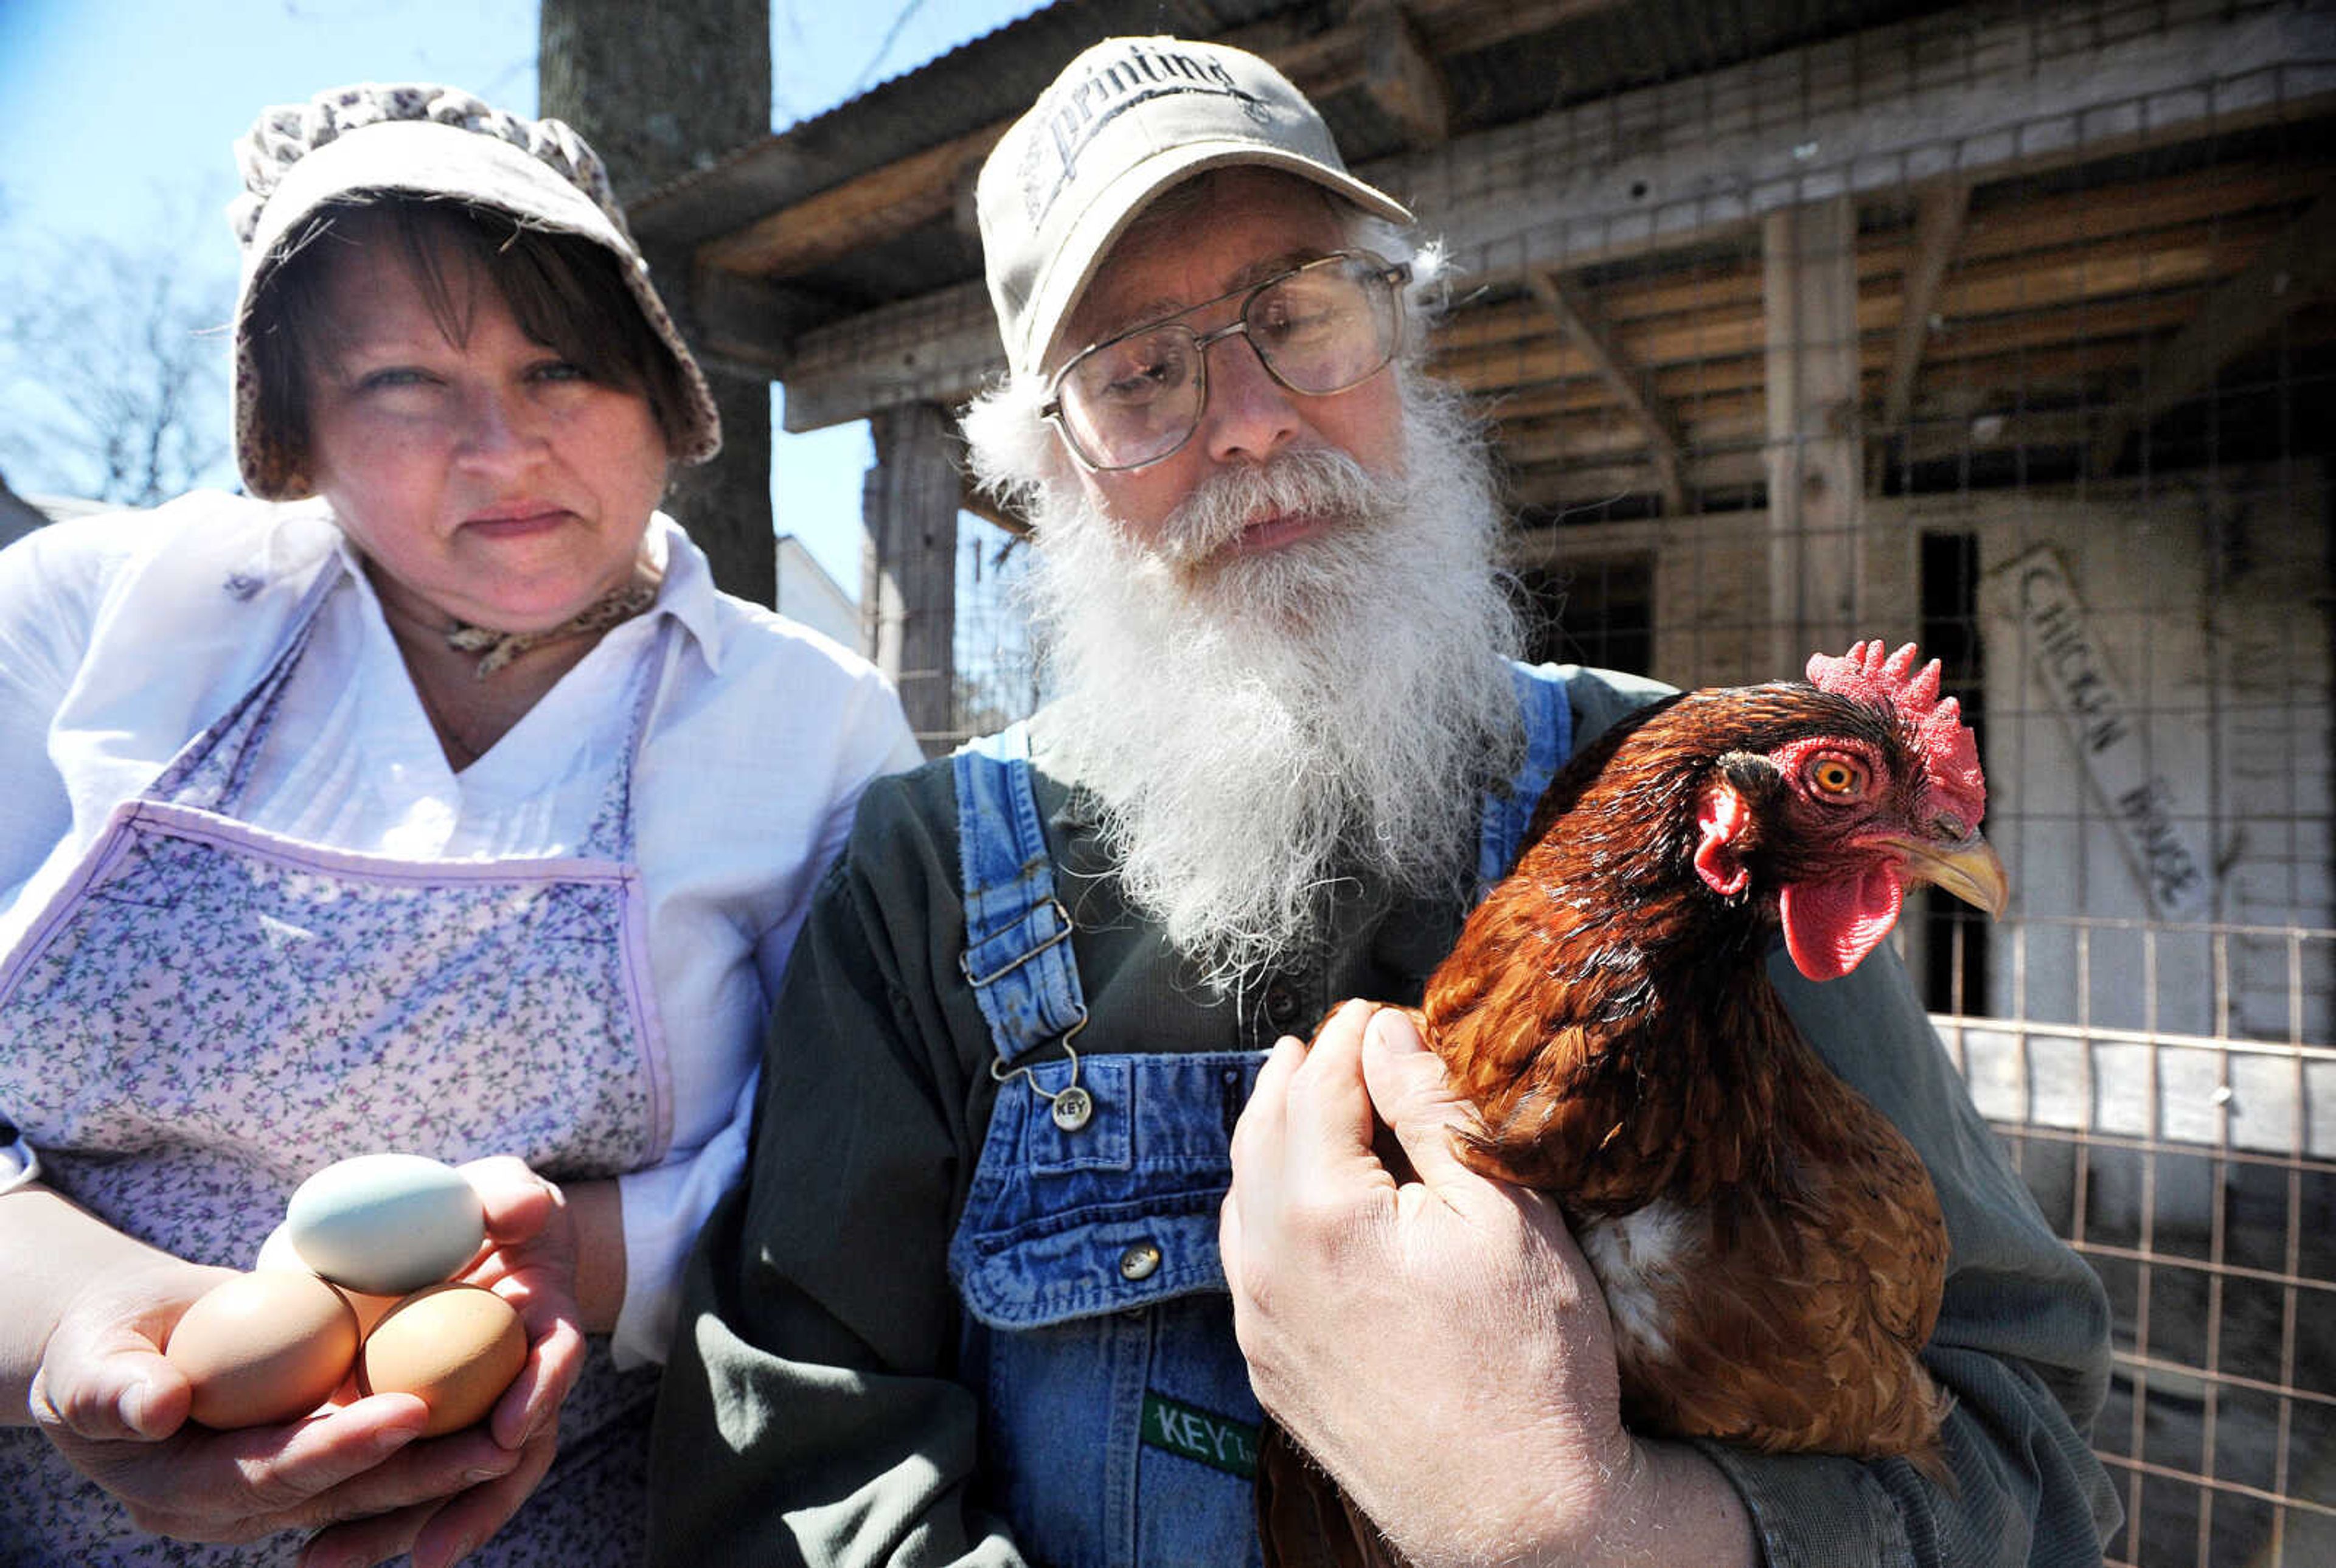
(207, 1012)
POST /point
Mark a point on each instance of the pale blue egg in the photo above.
(386, 1223)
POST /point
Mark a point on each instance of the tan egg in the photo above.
(277, 1252)
(263, 1348)
(456, 1346)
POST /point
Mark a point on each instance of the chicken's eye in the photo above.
(1836, 776)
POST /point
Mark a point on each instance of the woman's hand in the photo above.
(116, 1410)
(1434, 1339)
(536, 1246)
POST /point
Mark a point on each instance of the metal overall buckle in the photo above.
(1071, 1106)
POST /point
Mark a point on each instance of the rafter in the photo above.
(1578, 314)
(882, 205)
(1402, 77)
(2236, 316)
(1939, 215)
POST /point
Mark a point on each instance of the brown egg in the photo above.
(263, 1348)
(456, 1346)
(275, 1253)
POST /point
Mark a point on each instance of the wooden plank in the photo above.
(748, 322)
(908, 503)
(1561, 484)
(2128, 264)
(884, 205)
(2198, 196)
(1817, 449)
(1938, 229)
(2237, 316)
(1578, 314)
(937, 348)
(1402, 77)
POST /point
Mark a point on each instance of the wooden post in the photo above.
(1817, 495)
(908, 590)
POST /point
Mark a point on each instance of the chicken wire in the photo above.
(2019, 398)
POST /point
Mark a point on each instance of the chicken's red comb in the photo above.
(1866, 675)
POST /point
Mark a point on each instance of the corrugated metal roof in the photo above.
(991, 78)
(1592, 50)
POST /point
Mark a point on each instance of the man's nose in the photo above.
(1250, 416)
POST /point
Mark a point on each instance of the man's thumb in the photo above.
(1412, 1096)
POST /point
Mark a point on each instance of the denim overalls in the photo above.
(1118, 1424)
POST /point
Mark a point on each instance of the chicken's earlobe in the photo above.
(1721, 818)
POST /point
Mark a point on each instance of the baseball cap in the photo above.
(1123, 121)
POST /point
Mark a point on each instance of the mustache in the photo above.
(1315, 481)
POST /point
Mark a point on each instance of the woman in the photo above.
(443, 808)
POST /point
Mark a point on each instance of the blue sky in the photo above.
(117, 117)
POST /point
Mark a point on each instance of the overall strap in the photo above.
(1548, 717)
(1018, 934)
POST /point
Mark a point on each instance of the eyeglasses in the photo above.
(1318, 329)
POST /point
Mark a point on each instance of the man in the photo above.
(971, 1305)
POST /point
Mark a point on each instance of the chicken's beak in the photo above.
(1967, 868)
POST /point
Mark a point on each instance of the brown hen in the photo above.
(1770, 1249)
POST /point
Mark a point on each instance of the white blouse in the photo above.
(123, 634)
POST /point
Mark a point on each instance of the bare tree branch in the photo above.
(113, 370)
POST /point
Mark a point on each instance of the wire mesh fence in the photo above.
(2055, 399)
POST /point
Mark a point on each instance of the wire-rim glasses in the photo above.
(1318, 328)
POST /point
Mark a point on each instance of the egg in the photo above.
(275, 1253)
(456, 1346)
(385, 1224)
(263, 1347)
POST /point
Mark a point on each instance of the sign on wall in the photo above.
(2034, 591)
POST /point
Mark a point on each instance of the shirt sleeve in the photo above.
(666, 1205)
(49, 595)
(2022, 1340)
(808, 1412)
(48, 598)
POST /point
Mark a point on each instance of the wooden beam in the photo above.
(1402, 77)
(876, 207)
(1817, 449)
(1570, 485)
(1939, 214)
(909, 505)
(2236, 316)
(749, 323)
(937, 348)
(1578, 314)
(1336, 58)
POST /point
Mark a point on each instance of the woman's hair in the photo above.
(564, 291)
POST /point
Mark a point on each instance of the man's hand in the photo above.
(1434, 1339)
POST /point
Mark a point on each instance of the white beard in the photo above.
(1258, 727)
